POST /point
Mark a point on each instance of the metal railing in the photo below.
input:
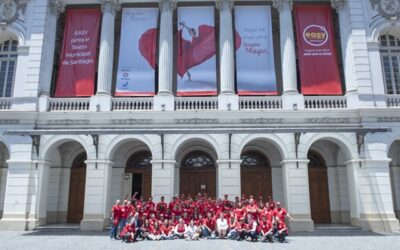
(196, 103)
(325, 102)
(145, 103)
(68, 104)
(260, 102)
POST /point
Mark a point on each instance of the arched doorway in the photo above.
(255, 175)
(77, 189)
(138, 175)
(197, 174)
(319, 190)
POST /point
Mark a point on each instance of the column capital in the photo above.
(167, 5)
(224, 4)
(57, 6)
(111, 6)
(338, 4)
(282, 4)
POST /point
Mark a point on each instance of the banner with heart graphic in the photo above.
(196, 60)
(255, 63)
(316, 48)
(137, 53)
(77, 70)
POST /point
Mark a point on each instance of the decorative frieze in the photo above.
(222, 4)
(111, 6)
(167, 5)
(282, 4)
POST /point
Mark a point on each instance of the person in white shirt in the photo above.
(192, 233)
(180, 229)
(222, 226)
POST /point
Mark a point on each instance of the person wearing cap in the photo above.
(222, 226)
(252, 228)
(266, 229)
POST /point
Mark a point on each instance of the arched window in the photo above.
(390, 57)
(198, 159)
(8, 62)
(253, 159)
(140, 160)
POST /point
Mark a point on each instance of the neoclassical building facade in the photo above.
(327, 158)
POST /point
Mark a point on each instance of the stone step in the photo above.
(59, 227)
(335, 227)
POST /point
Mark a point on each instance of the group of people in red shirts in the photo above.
(191, 218)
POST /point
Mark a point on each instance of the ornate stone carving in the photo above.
(57, 6)
(110, 5)
(389, 9)
(221, 4)
(167, 5)
(338, 4)
(282, 4)
(9, 11)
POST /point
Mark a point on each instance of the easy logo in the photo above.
(315, 35)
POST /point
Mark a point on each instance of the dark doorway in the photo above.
(76, 198)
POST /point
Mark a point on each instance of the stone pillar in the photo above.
(291, 99)
(296, 194)
(106, 56)
(375, 196)
(43, 169)
(341, 7)
(96, 212)
(228, 178)
(20, 200)
(354, 196)
(55, 8)
(227, 99)
(162, 179)
(165, 98)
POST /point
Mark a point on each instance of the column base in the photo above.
(376, 223)
(8, 223)
(302, 223)
(94, 223)
(100, 102)
(228, 102)
(292, 101)
(164, 102)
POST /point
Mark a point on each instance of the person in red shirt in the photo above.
(161, 206)
(281, 230)
(180, 229)
(251, 228)
(127, 233)
(124, 214)
(281, 212)
(208, 227)
(115, 218)
(266, 229)
(241, 229)
(270, 203)
(167, 230)
(150, 204)
(239, 211)
(232, 234)
(155, 232)
(267, 212)
(146, 228)
(252, 209)
(172, 203)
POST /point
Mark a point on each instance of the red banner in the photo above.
(77, 69)
(319, 72)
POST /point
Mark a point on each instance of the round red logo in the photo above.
(315, 35)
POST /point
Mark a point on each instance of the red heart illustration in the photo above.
(148, 46)
(200, 49)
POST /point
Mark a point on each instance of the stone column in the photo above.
(354, 197)
(54, 9)
(296, 194)
(165, 98)
(43, 168)
(291, 98)
(228, 178)
(341, 7)
(228, 100)
(378, 84)
(97, 195)
(106, 56)
(163, 179)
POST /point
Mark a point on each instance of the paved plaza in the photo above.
(75, 239)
